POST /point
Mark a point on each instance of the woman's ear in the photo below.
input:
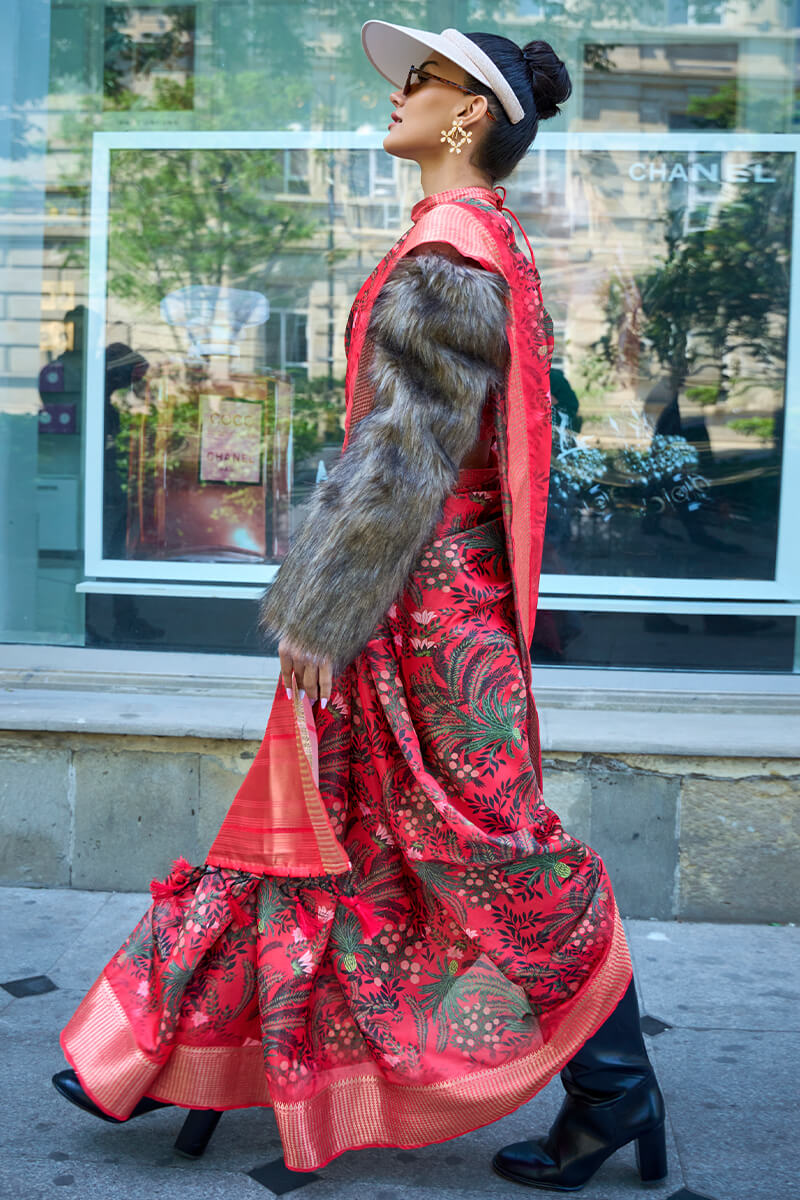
(473, 111)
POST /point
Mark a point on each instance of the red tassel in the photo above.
(368, 918)
(177, 879)
(161, 891)
(371, 922)
(183, 865)
(309, 926)
(240, 916)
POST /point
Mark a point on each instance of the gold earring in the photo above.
(450, 135)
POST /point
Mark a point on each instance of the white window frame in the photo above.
(691, 17)
(283, 315)
(378, 182)
(587, 592)
(288, 177)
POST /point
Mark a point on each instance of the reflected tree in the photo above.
(178, 217)
(133, 65)
(719, 291)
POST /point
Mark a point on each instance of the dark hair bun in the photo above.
(550, 81)
(539, 80)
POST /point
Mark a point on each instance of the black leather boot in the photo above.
(68, 1085)
(612, 1097)
(195, 1132)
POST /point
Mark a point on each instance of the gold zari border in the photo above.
(360, 1111)
(99, 1043)
(365, 1110)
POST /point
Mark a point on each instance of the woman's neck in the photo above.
(445, 175)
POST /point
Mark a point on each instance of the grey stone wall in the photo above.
(697, 838)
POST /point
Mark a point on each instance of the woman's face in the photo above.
(418, 119)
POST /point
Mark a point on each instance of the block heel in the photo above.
(651, 1155)
(196, 1132)
(612, 1098)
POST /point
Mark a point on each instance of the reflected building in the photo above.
(675, 389)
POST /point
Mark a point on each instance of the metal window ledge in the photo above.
(146, 693)
(547, 601)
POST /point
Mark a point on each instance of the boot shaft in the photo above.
(614, 1058)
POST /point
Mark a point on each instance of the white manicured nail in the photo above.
(302, 693)
(288, 693)
(323, 702)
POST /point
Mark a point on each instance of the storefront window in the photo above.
(194, 194)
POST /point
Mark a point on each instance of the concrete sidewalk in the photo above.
(724, 1035)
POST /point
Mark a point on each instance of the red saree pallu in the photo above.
(393, 940)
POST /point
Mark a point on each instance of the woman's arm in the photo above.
(438, 329)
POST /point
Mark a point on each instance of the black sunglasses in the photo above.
(423, 75)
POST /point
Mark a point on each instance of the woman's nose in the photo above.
(397, 98)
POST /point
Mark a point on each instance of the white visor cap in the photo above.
(392, 49)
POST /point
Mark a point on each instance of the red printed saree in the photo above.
(393, 941)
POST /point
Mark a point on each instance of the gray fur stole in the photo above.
(438, 329)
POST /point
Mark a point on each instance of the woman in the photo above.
(393, 941)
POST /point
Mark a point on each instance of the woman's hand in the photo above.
(314, 676)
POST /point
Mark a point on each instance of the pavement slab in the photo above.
(54, 1179)
(86, 955)
(713, 976)
(38, 924)
(732, 1100)
(724, 1043)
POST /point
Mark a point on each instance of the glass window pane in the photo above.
(174, 306)
(669, 388)
(664, 641)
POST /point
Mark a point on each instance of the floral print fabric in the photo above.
(474, 944)
(469, 921)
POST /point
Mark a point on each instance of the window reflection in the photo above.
(666, 273)
(670, 299)
(148, 56)
(668, 400)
